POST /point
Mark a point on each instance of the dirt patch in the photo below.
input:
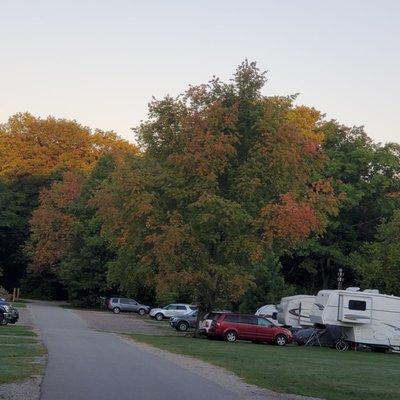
(123, 323)
(220, 376)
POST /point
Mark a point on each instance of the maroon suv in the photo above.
(248, 327)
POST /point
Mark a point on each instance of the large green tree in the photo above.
(368, 176)
(226, 176)
(378, 263)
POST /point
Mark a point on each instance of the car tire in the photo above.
(231, 336)
(182, 326)
(141, 311)
(3, 321)
(116, 310)
(281, 340)
(159, 316)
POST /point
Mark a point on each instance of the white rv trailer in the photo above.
(294, 311)
(269, 311)
(366, 317)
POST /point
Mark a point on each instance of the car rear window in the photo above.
(114, 300)
(181, 307)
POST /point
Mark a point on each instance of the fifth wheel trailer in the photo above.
(294, 311)
(366, 317)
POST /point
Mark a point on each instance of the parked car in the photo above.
(248, 327)
(184, 322)
(118, 304)
(8, 313)
(208, 319)
(171, 310)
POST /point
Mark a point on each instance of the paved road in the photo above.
(88, 365)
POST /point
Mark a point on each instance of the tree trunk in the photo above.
(200, 316)
(325, 273)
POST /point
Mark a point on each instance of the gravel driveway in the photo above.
(122, 323)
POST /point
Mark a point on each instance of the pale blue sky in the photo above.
(100, 62)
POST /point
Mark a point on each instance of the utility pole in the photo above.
(340, 279)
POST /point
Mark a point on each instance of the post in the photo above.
(18, 292)
(340, 279)
(14, 294)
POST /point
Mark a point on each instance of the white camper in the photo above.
(269, 311)
(366, 317)
(294, 311)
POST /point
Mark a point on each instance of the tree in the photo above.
(367, 175)
(378, 263)
(269, 286)
(52, 224)
(227, 174)
(65, 235)
(36, 146)
(83, 269)
(33, 153)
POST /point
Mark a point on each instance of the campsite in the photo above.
(199, 200)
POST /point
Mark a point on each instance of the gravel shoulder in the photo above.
(219, 375)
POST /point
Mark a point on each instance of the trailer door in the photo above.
(355, 309)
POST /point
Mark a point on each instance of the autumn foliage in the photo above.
(35, 146)
(229, 195)
(228, 175)
(52, 224)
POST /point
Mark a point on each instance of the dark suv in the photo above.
(248, 327)
(8, 313)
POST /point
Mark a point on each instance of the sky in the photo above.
(100, 62)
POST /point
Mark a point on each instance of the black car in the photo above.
(8, 313)
(184, 322)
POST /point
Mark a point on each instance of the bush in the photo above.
(4, 294)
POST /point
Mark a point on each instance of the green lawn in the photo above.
(19, 353)
(19, 304)
(310, 371)
(16, 330)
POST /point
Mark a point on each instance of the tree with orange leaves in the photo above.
(227, 177)
(33, 153)
(41, 146)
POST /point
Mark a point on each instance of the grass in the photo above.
(19, 352)
(309, 371)
(19, 304)
(16, 330)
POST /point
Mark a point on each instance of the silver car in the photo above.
(171, 310)
(118, 304)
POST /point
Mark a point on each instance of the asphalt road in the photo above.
(87, 365)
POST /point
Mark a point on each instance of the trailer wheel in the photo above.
(379, 349)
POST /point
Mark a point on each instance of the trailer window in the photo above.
(357, 305)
